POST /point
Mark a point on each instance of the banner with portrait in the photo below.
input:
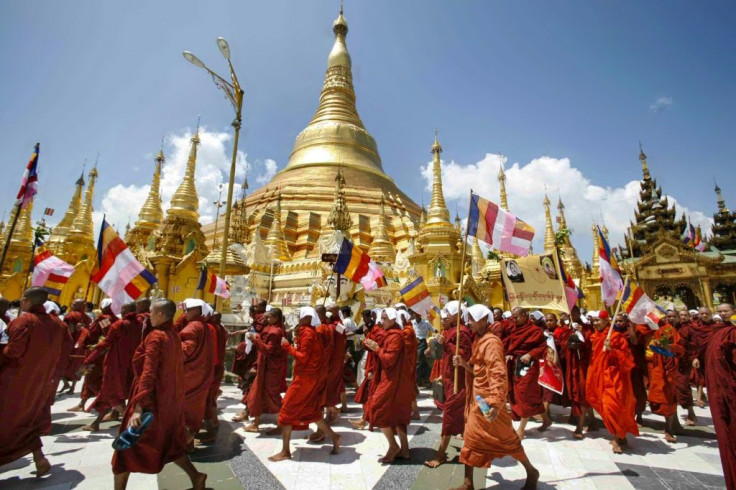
(534, 282)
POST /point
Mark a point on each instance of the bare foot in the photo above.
(77, 408)
(91, 428)
(544, 426)
(689, 423)
(242, 416)
(459, 437)
(520, 433)
(111, 416)
(639, 420)
(280, 456)
(207, 438)
(274, 432)
(616, 448)
(439, 459)
(577, 435)
(344, 409)
(404, 455)
(532, 477)
(416, 415)
(390, 455)
(42, 467)
(357, 424)
(669, 437)
(251, 428)
(316, 436)
(336, 444)
(199, 482)
(701, 403)
(467, 485)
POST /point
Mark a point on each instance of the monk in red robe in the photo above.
(199, 352)
(335, 384)
(387, 408)
(244, 362)
(158, 388)
(77, 321)
(608, 386)
(411, 344)
(720, 379)
(454, 405)
(373, 332)
(120, 343)
(701, 329)
(93, 374)
(662, 368)
(499, 327)
(525, 346)
(326, 334)
(28, 364)
(560, 335)
(577, 350)
(265, 392)
(143, 311)
(220, 335)
(685, 366)
(490, 435)
(303, 402)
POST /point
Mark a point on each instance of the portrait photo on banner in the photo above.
(535, 282)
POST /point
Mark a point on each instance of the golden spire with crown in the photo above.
(479, 260)
(549, 231)
(185, 201)
(81, 232)
(60, 231)
(595, 268)
(151, 214)
(18, 258)
(643, 158)
(275, 240)
(339, 218)
(437, 215)
(381, 249)
(23, 233)
(502, 184)
(569, 254)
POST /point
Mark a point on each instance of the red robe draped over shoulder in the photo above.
(577, 359)
(484, 441)
(335, 384)
(77, 323)
(117, 349)
(662, 390)
(265, 392)
(608, 386)
(28, 364)
(220, 336)
(700, 333)
(684, 367)
(303, 401)
(158, 387)
(525, 393)
(93, 377)
(198, 346)
(720, 379)
(326, 335)
(639, 374)
(386, 407)
(368, 386)
(453, 407)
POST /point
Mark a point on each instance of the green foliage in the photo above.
(560, 238)
(492, 255)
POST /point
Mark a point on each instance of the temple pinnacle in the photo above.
(643, 159)
(438, 213)
(81, 228)
(185, 201)
(381, 249)
(275, 240)
(339, 218)
(549, 231)
(502, 184)
(151, 213)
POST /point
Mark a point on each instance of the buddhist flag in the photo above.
(29, 182)
(374, 279)
(49, 271)
(611, 281)
(352, 262)
(488, 222)
(639, 307)
(212, 284)
(688, 235)
(699, 244)
(118, 274)
(416, 296)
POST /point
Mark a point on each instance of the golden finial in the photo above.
(185, 201)
(339, 218)
(596, 258)
(151, 215)
(643, 158)
(275, 239)
(438, 213)
(502, 184)
(61, 230)
(381, 249)
(549, 231)
(81, 228)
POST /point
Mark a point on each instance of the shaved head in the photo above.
(37, 296)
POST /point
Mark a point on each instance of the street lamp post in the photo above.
(234, 94)
(218, 204)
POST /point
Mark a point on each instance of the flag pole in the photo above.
(30, 265)
(460, 300)
(10, 234)
(618, 308)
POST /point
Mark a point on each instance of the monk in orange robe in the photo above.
(264, 395)
(608, 386)
(303, 402)
(525, 346)
(720, 379)
(158, 387)
(93, 374)
(488, 436)
(28, 363)
(387, 408)
(199, 351)
(453, 407)
(77, 321)
(577, 349)
(120, 343)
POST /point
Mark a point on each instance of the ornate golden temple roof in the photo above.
(151, 214)
(437, 215)
(60, 231)
(549, 231)
(339, 218)
(185, 202)
(275, 240)
(382, 250)
(502, 184)
(81, 231)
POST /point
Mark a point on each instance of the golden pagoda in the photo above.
(79, 243)
(381, 249)
(17, 263)
(570, 259)
(59, 233)
(549, 231)
(140, 239)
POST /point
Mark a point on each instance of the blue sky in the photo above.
(561, 89)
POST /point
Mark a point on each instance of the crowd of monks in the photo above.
(488, 371)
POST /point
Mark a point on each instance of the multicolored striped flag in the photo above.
(29, 182)
(488, 222)
(688, 235)
(49, 271)
(118, 274)
(212, 284)
(416, 297)
(352, 262)
(699, 244)
(639, 307)
(374, 279)
(611, 280)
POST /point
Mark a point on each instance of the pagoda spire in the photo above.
(549, 231)
(23, 233)
(502, 184)
(723, 230)
(479, 260)
(339, 218)
(185, 201)
(275, 240)
(644, 166)
(239, 227)
(381, 249)
(438, 213)
(151, 214)
(596, 258)
(61, 230)
(721, 202)
(81, 230)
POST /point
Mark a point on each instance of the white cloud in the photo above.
(122, 203)
(660, 104)
(585, 202)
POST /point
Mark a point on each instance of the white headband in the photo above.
(403, 316)
(479, 311)
(451, 308)
(105, 303)
(507, 314)
(391, 313)
(308, 311)
(195, 303)
(51, 307)
(537, 315)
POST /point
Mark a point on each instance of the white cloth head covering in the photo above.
(195, 303)
(717, 317)
(207, 310)
(269, 307)
(507, 314)
(693, 312)
(479, 311)
(51, 307)
(450, 309)
(391, 313)
(398, 305)
(593, 314)
(329, 303)
(379, 313)
(305, 311)
(536, 315)
(105, 303)
(403, 316)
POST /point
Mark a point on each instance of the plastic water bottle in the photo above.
(129, 437)
(483, 405)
